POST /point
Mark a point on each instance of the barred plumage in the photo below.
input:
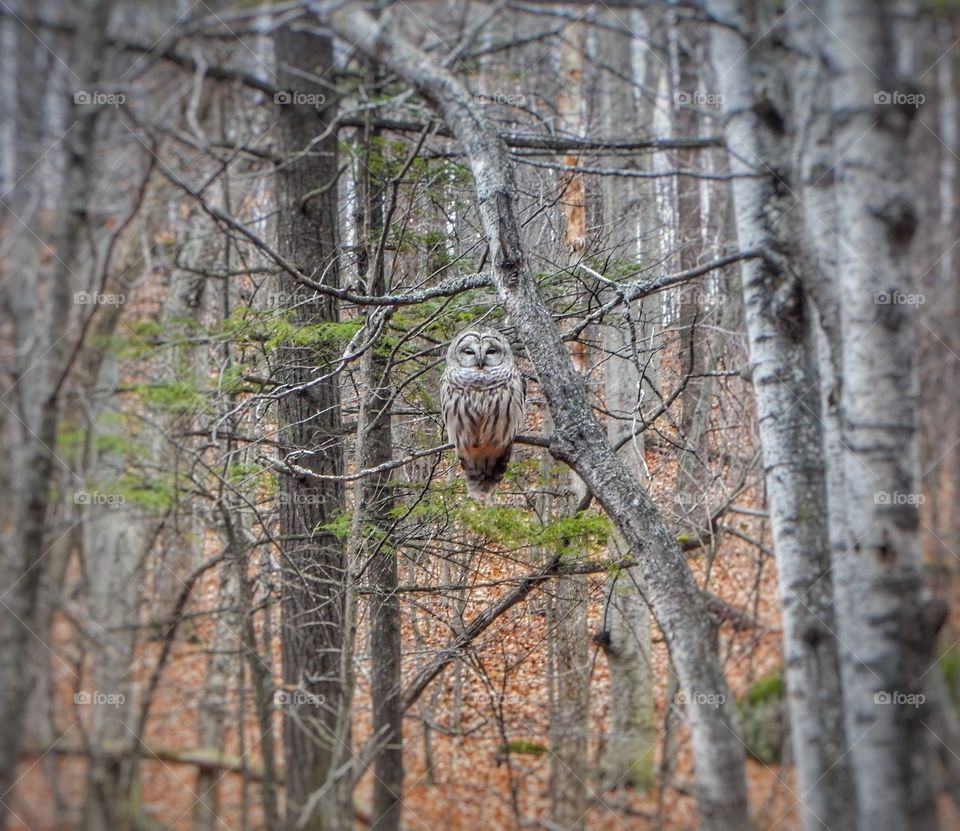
(482, 397)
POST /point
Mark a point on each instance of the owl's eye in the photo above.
(493, 350)
(469, 351)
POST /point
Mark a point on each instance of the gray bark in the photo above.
(373, 511)
(114, 543)
(568, 647)
(886, 628)
(222, 663)
(693, 346)
(631, 745)
(214, 704)
(578, 439)
(314, 566)
(263, 691)
(23, 93)
(385, 604)
(19, 608)
(631, 742)
(569, 679)
(785, 381)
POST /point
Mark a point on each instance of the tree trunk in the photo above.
(578, 439)
(886, 629)
(213, 709)
(569, 701)
(569, 656)
(631, 743)
(222, 663)
(263, 693)
(385, 604)
(19, 607)
(114, 541)
(373, 513)
(695, 397)
(314, 567)
(785, 381)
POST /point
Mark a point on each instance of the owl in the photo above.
(482, 398)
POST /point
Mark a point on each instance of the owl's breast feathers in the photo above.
(482, 411)
(482, 408)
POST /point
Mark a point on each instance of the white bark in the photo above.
(785, 381)
(885, 627)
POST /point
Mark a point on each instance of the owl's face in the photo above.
(479, 350)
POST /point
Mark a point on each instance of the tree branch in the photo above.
(579, 440)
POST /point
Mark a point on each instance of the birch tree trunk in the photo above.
(886, 628)
(785, 381)
(631, 745)
(815, 218)
(578, 439)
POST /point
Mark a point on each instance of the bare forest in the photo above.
(479, 414)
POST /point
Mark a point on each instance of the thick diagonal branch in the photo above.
(579, 440)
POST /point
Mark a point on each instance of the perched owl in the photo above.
(482, 398)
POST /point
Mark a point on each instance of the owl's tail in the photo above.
(482, 479)
(481, 489)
